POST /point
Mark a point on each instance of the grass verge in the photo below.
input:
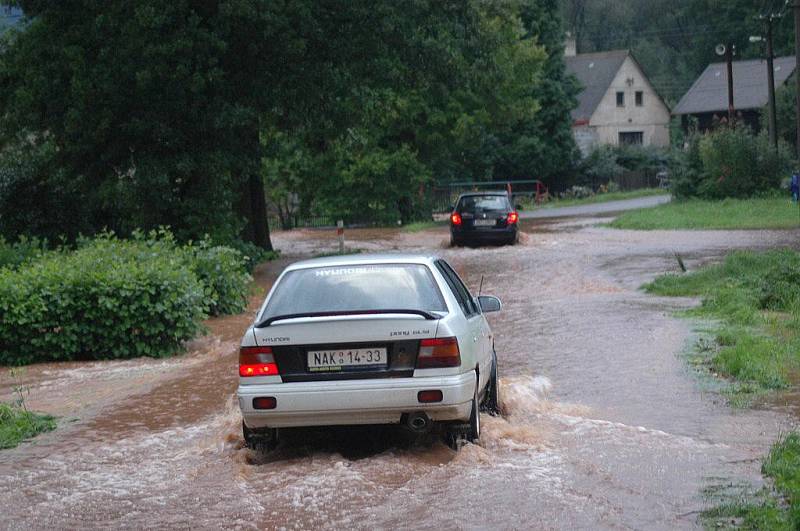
(755, 298)
(604, 198)
(770, 213)
(774, 507)
(18, 424)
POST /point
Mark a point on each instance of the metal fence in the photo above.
(446, 194)
(627, 180)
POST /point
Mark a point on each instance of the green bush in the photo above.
(223, 273)
(13, 255)
(108, 299)
(113, 298)
(606, 164)
(251, 253)
(730, 162)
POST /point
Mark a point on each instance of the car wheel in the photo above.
(454, 242)
(458, 434)
(491, 401)
(260, 439)
(474, 432)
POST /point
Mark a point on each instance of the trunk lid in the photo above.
(312, 348)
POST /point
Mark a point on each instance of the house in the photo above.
(707, 99)
(618, 104)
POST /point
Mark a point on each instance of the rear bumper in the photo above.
(343, 402)
(490, 235)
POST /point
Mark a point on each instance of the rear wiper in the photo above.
(269, 320)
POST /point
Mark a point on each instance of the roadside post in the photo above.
(340, 234)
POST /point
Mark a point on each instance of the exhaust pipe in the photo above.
(418, 422)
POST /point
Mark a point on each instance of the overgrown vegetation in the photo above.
(730, 162)
(113, 298)
(764, 213)
(756, 299)
(18, 424)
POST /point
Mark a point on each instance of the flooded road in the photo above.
(604, 425)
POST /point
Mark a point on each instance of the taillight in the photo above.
(513, 217)
(440, 352)
(257, 361)
(455, 218)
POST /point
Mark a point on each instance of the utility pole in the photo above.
(773, 121)
(729, 61)
(797, 72)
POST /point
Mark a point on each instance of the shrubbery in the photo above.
(605, 164)
(223, 274)
(24, 250)
(730, 162)
(113, 298)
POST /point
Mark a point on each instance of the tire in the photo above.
(455, 242)
(491, 400)
(473, 434)
(260, 439)
(458, 434)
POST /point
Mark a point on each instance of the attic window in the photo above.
(620, 99)
(639, 98)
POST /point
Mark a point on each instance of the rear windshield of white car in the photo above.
(355, 288)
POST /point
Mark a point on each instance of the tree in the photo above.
(445, 84)
(543, 147)
(152, 110)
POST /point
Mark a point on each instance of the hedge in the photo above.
(113, 298)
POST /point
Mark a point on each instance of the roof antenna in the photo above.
(480, 289)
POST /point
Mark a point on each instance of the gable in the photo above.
(595, 73)
(629, 80)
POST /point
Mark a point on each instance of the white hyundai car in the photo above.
(368, 339)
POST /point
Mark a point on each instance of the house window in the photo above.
(639, 98)
(631, 138)
(620, 99)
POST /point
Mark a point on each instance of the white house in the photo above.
(618, 104)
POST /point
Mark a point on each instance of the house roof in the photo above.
(595, 72)
(709, 93)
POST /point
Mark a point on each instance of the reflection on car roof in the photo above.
(362, 259)
(489, 192)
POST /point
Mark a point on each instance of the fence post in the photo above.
(340, 234)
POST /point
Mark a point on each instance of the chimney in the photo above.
(570, 46)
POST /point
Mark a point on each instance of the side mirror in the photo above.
(452, 207)
(490, 304)
(518, 207)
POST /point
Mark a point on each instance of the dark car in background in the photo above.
(483, 217)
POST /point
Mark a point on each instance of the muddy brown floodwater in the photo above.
(604, 425)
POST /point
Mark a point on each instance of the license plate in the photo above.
(485, 222)
(346, 359)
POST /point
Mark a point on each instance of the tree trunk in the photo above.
(258, 229)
